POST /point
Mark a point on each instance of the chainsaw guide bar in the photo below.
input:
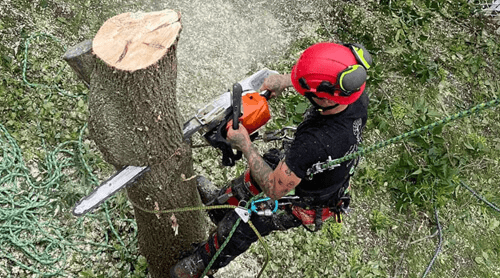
(120, 179)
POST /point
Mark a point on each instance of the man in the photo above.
(332, 76)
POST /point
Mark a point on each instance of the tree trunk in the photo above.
(134, 120)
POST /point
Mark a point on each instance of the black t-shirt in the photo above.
(319, 137)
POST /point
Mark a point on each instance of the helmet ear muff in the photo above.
(351, 79)
(362, 55)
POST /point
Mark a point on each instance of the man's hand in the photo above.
(239, 138)
(275, 184)
(276, 83)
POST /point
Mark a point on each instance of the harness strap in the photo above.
(318, 222)
(311, 207)
(242, 189)
(329, 204)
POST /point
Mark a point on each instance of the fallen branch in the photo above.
(422, 239)
(81, 60)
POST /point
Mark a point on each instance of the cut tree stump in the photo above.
(134, 120)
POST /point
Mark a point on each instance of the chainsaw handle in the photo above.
(236, 103)
(266, 93)
(217, 139)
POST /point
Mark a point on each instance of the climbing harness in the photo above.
(240, 189)
(321, 167)
(315, 207)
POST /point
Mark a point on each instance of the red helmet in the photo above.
(333, 71)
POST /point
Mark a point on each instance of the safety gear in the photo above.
(242, 188)
(332, 71)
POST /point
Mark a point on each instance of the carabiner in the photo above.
(253, 206)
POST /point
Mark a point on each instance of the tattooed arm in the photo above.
(277, 83)
(275, 184)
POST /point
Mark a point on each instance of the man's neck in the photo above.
(335, 110)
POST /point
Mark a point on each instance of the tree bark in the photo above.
(134, 120)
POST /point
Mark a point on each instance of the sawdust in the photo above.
(224, 41)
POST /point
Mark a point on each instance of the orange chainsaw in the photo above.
(243, 105)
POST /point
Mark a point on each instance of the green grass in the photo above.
(432, 59)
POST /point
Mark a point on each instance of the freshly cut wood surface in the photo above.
(133, 41)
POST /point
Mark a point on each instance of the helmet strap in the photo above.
(317, 107)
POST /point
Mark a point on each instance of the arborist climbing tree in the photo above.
(134, 121)
(300, 190)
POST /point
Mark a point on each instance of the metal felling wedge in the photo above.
(120, 179)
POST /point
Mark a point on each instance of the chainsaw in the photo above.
(243, 105)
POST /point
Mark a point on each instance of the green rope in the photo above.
(21, 212)
(235, 226)
(265, 247)
(27, 200)
(186, 209)
(490, 104)
(27, 204)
